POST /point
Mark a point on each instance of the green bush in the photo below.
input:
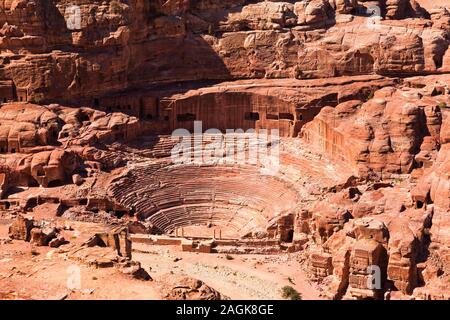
(287, 292)
(443, 105)
(370, 96)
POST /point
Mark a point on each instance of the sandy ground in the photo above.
(28, 272)
(430, 4)
(238, 277)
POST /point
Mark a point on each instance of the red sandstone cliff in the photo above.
(134, 44)
(370, 95)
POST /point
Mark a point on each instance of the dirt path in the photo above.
(28, 272)
(242, 277)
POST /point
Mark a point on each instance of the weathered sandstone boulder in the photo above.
(42, 236)
(359, 256)
(21, 228)
(312, 11)
(57, 242)
(136, 271)
(20, 130)
(116, 238)
(384, 133)
(176, 287)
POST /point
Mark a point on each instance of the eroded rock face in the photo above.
(382, 135)
(47, 145)
(44, 168)
(403, 215)
(38, 233)
(235, 39)
(359, 91)
(357, 253)
(22, 130)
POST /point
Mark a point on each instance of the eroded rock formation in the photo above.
(127, 44)
(359, 92)
(186, 288)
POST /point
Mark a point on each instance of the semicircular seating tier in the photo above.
(234, 197)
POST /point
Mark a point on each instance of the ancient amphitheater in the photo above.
(234, 149)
